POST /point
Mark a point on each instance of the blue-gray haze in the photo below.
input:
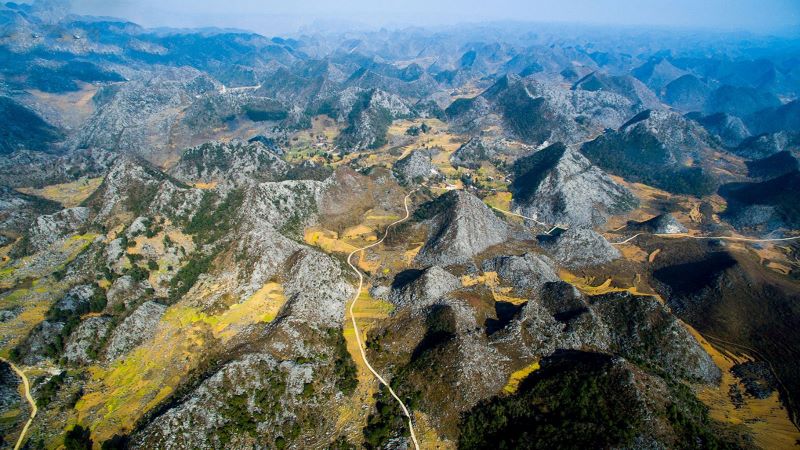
(273, 17)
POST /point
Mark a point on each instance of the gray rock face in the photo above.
(83, 341)
(125, 291)
(134, 113)
(764, 145)
(476, 369)
(230, 163)
(624, 85)
(134, 187)
(659, 148)
(135, 329)
(199, 421)
(423, 288)
(537, 112)
(473, 152)
(642, 328)
(371, 113)
(76, 299)
(10, 397)
(635, 327)
(48, 229)
(43, 336)
(660, 224)
(526, 273)
(576, 248)
(559, 186)
(463, 227)
(730, 130)
(415, 166)
(18, 210)
(316, 290)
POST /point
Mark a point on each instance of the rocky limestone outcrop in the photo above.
(659, 148)
(50, 228)
(134, 113)
(624, 85)
(417, 165)
(526, 273)
(660, 224)
(559, 186)
(474, 152)
(537, 112)
(371, 113)
(635, 327)
(640, 327)
(81, 347)
(125, 291)
(268, 390)
(76, 299)
(462, 227)
(231, 163)
(138, 327)
(18, 210)
(316, 290)
(36, 345)
(579, 247)
(768, 144)
(134, 187)
(418, 289)
(730, 130)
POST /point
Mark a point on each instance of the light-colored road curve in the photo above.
(724, 238)
(668, 235)
(524, 217)
(355, 324)
(28, 397)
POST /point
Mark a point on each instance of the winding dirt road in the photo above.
(28, 397)
(355, 324)
(667, 235)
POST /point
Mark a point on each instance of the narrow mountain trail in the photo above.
(28, 397)
(355, 324)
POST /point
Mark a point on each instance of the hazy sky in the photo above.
(284, 16)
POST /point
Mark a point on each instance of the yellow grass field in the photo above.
(516, 378)
(120, 394)
(766, 419)
(67, 194)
